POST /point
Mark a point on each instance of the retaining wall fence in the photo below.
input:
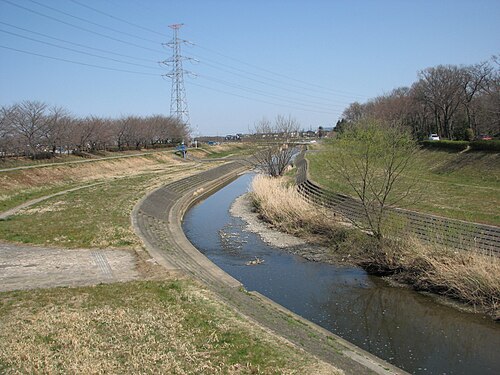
(453, 233)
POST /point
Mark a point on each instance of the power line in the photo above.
(310, 86)
(304, 92)
(91, 22)
(77, 62)
(281, 75)
(264, 93)
(258, 100)
(156, 75)
(117, 18)
(78, 27)
(76, 44)
(77, 51)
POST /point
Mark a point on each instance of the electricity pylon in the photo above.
(178, 101)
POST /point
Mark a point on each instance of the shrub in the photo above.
(445, 145)
(490, 145)
(42, 155)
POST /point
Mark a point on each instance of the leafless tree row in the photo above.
(456, 102)
(285, 126)
(32, 128)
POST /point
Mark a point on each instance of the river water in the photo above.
(408, 329)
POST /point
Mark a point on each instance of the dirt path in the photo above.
(28, 267)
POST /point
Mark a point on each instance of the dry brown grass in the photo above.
(283, 206)
(85, 172)
(160, 327)
(468, 276)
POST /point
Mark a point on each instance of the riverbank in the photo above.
(157, 219)
(97, 302)
(468, 277)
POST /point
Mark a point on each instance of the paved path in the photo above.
(29, 267)
(157, 221)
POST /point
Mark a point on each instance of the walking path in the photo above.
(29, 267)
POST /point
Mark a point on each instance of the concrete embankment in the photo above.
(157, 221)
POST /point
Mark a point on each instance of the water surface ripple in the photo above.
(406, 328)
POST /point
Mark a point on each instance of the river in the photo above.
(406, 328)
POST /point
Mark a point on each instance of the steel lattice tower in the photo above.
(178, 101)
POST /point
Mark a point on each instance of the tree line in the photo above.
(33, 128)
(456, 102)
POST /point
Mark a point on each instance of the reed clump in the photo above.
(468, 276)
(282, 206)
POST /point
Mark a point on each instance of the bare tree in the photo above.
(263, 126)
(354, 112)
(371, 157)
(55, 133)
(29, 120)
(286, 126)
(274, 158)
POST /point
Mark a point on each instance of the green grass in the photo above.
(461, 186)
(98, 216)
(23, 196)
(169, 326)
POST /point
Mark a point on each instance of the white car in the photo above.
(434, 137)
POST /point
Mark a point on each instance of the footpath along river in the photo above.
(408, 329)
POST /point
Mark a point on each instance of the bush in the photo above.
(490, 145)
(445, 145)
(42, 155)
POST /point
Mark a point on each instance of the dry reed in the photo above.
(282, 206)
(468, 276)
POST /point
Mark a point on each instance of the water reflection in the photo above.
(406, 328)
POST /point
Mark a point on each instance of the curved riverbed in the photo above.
(408, 329)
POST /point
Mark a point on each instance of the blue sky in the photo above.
(257, 58)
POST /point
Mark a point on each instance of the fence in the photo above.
(457, 234)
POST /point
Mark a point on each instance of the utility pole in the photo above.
(178, 101)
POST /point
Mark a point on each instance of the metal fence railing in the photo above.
(456, 234)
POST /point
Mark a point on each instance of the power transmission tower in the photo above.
(178, 101)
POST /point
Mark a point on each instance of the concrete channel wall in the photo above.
(428, 228)
(157, 220)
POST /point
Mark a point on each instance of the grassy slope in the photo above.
(140, 327)
(224, 150)
(169, 326)
(461, 186)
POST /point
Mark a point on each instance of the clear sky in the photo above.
(257, 58)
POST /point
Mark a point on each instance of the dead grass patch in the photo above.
(282, 206)
(166, 327)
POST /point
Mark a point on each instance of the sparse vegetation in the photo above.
(97, 216)
(470, 277)
(167, 326)
(462, 186)
(370, 158)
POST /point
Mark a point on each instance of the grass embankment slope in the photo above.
(467, 276)
(164, 325)
(96, 216)
(464, 186)
(223, 150)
